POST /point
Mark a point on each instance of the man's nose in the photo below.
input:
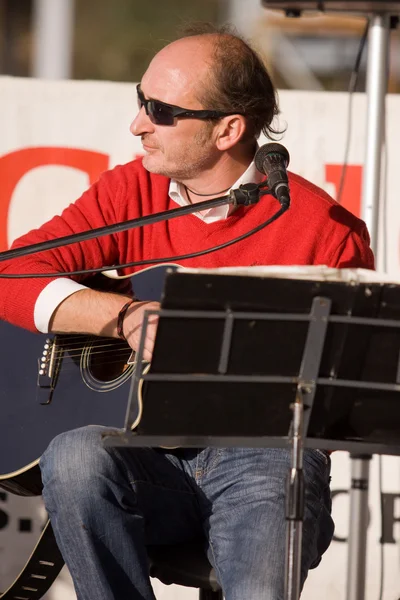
(141, 123)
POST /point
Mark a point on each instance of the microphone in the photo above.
(272, 160)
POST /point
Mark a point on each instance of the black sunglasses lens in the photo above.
(160, 114)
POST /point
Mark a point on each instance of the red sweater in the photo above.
(316, 230)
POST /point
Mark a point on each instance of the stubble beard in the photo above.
(196, 158)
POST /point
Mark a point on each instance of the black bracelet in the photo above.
(120, 320)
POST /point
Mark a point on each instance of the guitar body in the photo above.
(54, 383)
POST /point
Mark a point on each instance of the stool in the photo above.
(187, 565)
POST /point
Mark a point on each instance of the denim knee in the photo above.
(74, 460)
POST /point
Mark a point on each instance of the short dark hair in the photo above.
(239, 80)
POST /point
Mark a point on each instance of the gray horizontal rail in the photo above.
(200, 378)
(276, 316)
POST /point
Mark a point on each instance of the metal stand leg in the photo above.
(295, 503)
(357, 545)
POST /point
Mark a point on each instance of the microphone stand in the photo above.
(245, 195)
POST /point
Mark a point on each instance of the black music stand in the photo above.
(265, 361)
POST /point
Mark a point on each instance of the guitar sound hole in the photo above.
(104, 364)
(110, 366)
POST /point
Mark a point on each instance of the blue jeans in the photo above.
(106, 504)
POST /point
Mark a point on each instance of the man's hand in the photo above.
(133, 323)
(93, 312)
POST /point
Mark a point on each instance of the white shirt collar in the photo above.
(177, 194)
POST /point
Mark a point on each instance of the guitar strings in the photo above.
(77, 354)
(97, 346)
(116, 357)
(70, 365)
(122, 345)
(101, 343)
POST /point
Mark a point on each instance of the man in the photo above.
(107, 504)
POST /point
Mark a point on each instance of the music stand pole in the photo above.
(377, 77)
(295, 502)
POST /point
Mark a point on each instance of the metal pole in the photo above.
(295, 503)
(377, 77)
(359, 518)
(53, 39)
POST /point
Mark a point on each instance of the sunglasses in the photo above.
(161, 113)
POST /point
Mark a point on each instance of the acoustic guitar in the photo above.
(54, 383)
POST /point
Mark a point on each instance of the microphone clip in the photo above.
(249, 193)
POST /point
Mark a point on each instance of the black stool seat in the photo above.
(183, 564)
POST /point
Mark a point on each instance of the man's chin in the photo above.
(154, 165)
(151, 164)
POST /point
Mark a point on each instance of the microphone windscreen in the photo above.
(264, 151)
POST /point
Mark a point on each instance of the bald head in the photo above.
(222, 72)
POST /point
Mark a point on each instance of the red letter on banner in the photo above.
(351, 194)
(15, 165)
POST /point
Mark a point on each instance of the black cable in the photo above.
(352, 87)
(149, 261)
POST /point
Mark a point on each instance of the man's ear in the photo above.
(230, 130)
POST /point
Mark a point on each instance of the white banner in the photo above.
(57, 137)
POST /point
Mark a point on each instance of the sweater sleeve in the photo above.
(97, 207)
(355, 251)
